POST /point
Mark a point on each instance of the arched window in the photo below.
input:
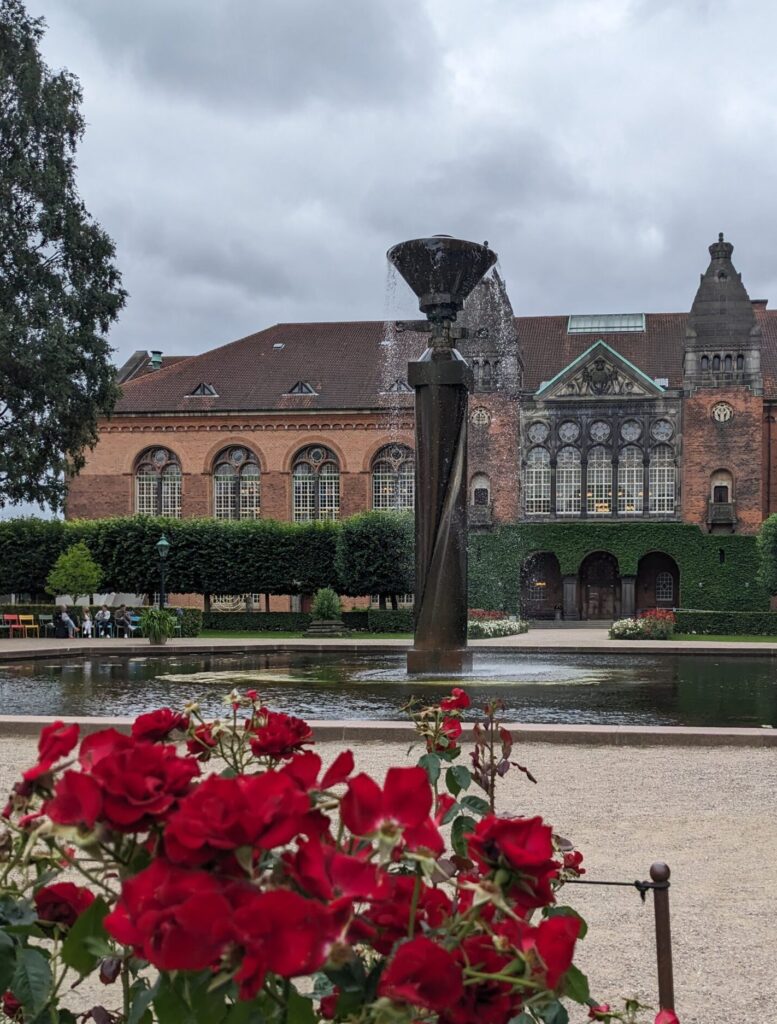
(728, 364)
(568, 481)
(662, 480)
(158, 483)
(664, 588)
(393, 479)
(630, 481)
(316, 477)
(722, 487)
(537, 482)
(740, 362)
(481, 490)
(599, 482)
(716, 363)
(705, 363)
(236, 485)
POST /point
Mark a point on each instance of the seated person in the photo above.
(64, 627)
(86, 624)
(122, 621)
(103, 621)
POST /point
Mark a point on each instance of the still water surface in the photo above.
(608, 689)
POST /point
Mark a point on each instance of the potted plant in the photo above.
(157, 624)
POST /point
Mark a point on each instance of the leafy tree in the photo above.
(375, 555)
(59, 288)
(75, 573)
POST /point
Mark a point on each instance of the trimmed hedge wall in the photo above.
(706, 582)
(191, 621)
(271, 622)
(727, 623)
(388, 621)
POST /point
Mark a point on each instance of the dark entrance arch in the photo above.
(541, 586)
(658, 582)
(600, 592)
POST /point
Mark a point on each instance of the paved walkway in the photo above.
(581, 640)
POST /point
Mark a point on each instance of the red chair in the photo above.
(12, 621)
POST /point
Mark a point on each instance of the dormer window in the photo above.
(399, 386)
(302, 388)
(203, 391)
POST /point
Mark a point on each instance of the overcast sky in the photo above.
(254, 159)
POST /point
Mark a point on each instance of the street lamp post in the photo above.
(162, 548)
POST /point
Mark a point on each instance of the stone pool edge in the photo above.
(361, 731)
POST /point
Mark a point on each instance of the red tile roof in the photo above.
(350, 366)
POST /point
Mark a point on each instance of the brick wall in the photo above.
(493, 449)
(709, 446)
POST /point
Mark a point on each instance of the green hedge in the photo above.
(727, 623)
(388, 621)
(706, 581)
(191, 621)
(357, 621)
(244, 622)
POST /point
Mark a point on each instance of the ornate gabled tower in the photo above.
(722, 339)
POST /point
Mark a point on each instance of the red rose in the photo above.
(283, 932)
(450, 730)
(338, 771)
(100, 744)
(327, 1007)
(422, 973)
(666, 1017)
(77, 800)
(324, 872)
(572, 862)
(554, 941)
(55, 742)
(599, 1012)
(487, 1001)
(62, 903)
(525, 847)
(11, 1005)
(202, 742)
(403, 804)
(458, 700)
(157, 725)
(141, 783)
(220, 815)
(281, 736)
(178, 920)
(387, 918)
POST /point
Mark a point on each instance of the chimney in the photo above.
(156, 359)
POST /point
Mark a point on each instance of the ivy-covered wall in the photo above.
(716, 572)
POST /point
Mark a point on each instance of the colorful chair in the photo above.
(29, 625)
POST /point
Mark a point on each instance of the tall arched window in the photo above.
(740, 362)
(728, 364)
(393, 479)
(568, 481)
(705, 363)
(662, 480)
(664, 588)
(599, 482)
(630, 481)
(481, 490)
(316, 477)
(236, 485)
(722, 487)
(158, 483)
(537, 481)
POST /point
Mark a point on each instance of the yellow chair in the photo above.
(29, 625)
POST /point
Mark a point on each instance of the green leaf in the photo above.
(451, 813)
(32, 980)
(562, 911)
(457, 778)
(17, 911)
(431, 765)
(87, 929)
(141, 997)
(461, 827)
(554, 1013)
(245, 1012)
(523, 1018)
(169, 1002)
(299, 1009)
(7, 960)
(576, 985)
(476, 804)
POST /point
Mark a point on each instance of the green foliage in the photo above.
(157, 624)
(326, 604)
(387, 621)
(75, 573)
(767, 554)
(727, 623)
(251, 622)
(715, 571)
(375, 554)
(190, 621)
(59, 288)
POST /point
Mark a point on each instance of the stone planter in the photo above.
(159, 641)
(326, 628)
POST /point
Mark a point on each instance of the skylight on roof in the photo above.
(203, 391)
(278, 344)
(663, 382)
(604, 323)
(302, 388)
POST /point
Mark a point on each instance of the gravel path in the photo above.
(708, 812)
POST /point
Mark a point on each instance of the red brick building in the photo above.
(619, 417)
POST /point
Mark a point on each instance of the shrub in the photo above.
(75, 573)
(727, 623)
(190, 622)
(481, 613)
(657, 624)
(158, 624)
(387, 621)
(375, 554)
(326, 604)
(484, 629)
(626, 629)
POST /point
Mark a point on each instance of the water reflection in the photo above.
(610, 689)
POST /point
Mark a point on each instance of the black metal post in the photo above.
(659, 872)
(162, 568)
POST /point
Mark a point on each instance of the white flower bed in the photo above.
(626, 629)
(484, 629)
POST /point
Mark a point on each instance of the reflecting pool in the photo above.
(612, 689)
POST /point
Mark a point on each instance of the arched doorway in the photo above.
(541, 586)
(658, 582)
(600, 596)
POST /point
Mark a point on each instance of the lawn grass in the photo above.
(231, 634)
(702, 637)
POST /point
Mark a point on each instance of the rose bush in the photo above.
(225, 876)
